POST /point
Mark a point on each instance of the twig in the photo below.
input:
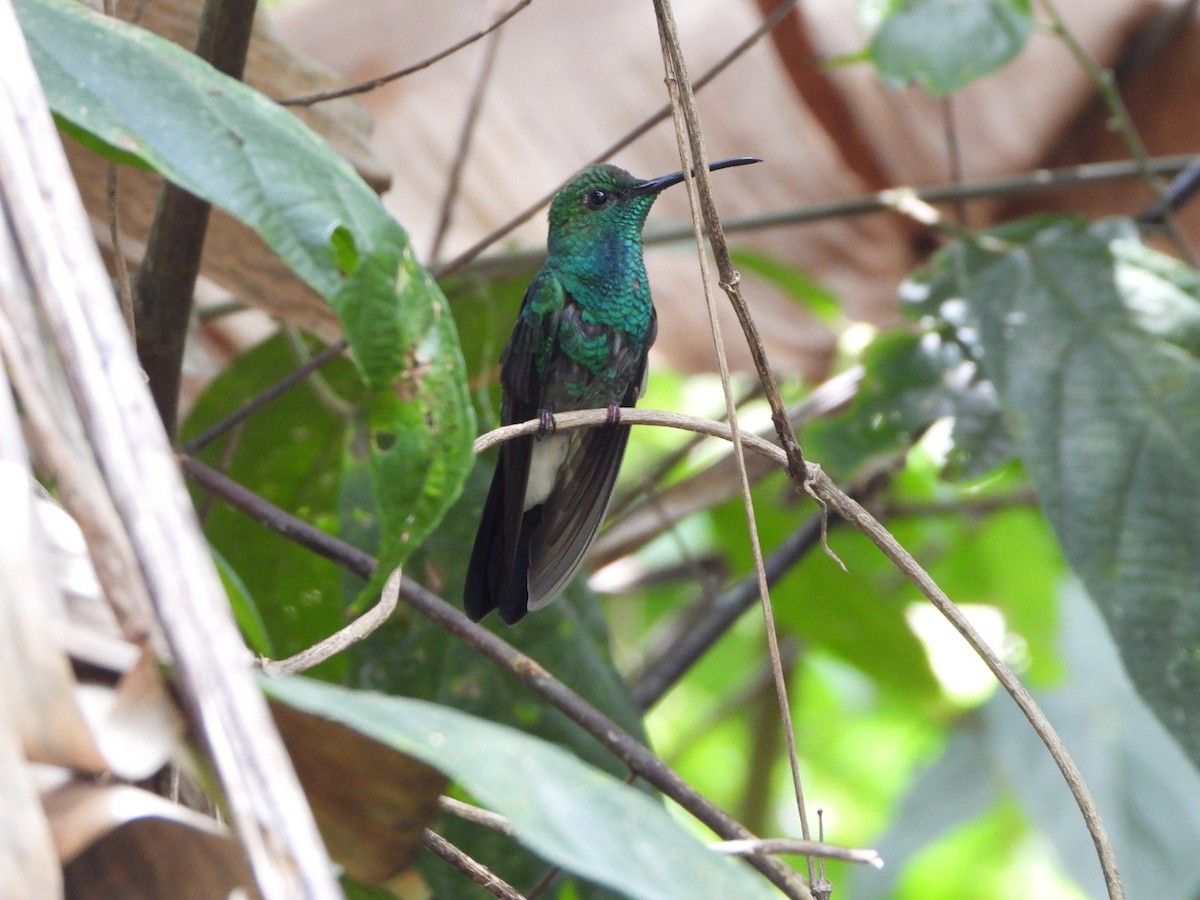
(798, 848)
(659, 116)
(660, 674)
(520, 667)
(1177, 193)
(358, 630)
(690, 139)
(330, 399)
(954, 155)
(465, 137)
(1106, 84)
(476, 814)
(477, 872)
(903, 560)
(364, 86)
(254, 404)
(276, 519)
(124, 290)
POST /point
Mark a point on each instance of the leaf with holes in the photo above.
(1092, 342)
(127, 89)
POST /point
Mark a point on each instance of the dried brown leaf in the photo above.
(121, 841)
(371, 802)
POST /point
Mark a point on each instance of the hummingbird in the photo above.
(580, 342)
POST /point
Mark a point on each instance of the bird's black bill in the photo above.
(654, 185)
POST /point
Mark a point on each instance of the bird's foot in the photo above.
(614, 414)
(546, 423)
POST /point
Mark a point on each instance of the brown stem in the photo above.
(167, 278)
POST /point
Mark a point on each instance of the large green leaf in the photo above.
(944, 45)
(128, 89)
(1091, 340)
(910, 381)
(571, 814)
(290, 453)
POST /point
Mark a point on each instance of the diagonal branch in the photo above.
(374, 83)
(522, 668)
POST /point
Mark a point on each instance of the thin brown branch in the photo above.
(476, 871)
(1106, 84)
(261, 399)
(690, 138)
(360, 629)
(124, 289)
(798, 848)
(1037, 181)
(465, 138)
(372, 84)
(659, 116)
(297, 530)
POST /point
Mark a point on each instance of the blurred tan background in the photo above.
(570, 77)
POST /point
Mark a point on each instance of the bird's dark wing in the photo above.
(496, 574)
(572, 515)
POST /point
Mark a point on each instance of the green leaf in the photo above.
(1091, 340)
(944, 45)
(569, 813)
(245, 610)
(911, 381)
(289, 452)
(223, 141)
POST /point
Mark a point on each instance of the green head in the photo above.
(600, 214)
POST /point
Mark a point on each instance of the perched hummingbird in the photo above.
(580, 342)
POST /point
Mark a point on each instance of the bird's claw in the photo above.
(546, 423)
(614, 414)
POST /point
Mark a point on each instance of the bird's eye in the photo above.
(597, 199)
